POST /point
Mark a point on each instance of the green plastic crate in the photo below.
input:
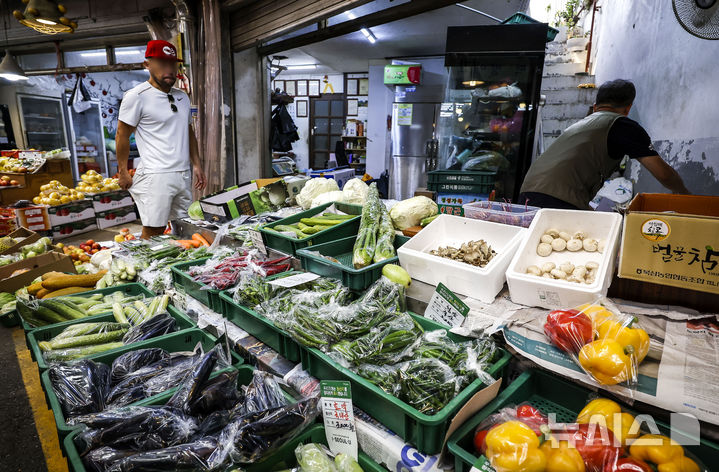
(289, 245)
(548, 393)
(183, 280)
(260, 327)
(426, 432)
(175, 342)
(284, 457)
(10, 319)
(49, 332)
(451, 181)
(520, 18)
(354, 279)
(134, 288)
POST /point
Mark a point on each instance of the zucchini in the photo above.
(49, 315)
(63, 309)
(118, 313)
(83, 340)
(79, 352)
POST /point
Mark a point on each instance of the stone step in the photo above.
(569, 95)
(563, 82)
(565, 110)
(563, 68)
(555, 47)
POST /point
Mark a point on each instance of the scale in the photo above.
(283, 166)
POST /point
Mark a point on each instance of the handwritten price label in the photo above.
(336, 402)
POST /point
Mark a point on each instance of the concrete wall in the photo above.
(251, 138)
(676, 78)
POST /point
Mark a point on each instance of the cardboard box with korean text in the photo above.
(672, 240)
(36, 266)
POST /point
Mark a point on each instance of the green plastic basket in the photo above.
(550, 394)
(289, 245)
(134, 288)
(49, 332)
(341, 250)
(183, 281)
(469, 182)
(520, 18)
(10, 319)
(260, 327)
(175, 342)
(284, 457)
(426, 432)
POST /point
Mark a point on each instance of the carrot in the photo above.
(200, 238)
(187, 243)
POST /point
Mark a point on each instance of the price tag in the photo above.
(157, 247)
(295, 280)
(257, 242)
(445, 307)
(336, 401)
(482, 465)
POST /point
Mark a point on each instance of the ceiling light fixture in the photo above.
(369, 35)
(45, 16)
(302, 67)
(10, 70)
(473, 83)
(351, 15)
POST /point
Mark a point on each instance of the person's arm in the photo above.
(664, 173)
(200, 182)
(122, 150)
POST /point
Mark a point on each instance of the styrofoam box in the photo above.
(530, 290)
(482, 283)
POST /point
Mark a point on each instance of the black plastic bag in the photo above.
(132, 361)
(152, 328)
(81, 387)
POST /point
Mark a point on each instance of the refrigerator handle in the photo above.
(431, 148)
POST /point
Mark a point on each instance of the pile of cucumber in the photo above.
(307, 227)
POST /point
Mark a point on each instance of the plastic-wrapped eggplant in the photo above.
(152, 328)
(219, 393)
(183, 457)
(81, 387)
(191, 386)
(263, 393)
(128, 363)
(213, 424)
(102, 458)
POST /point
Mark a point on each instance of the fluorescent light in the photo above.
(351, 15)
(125, 53)
(369, 35)
(13, 77)
(302, 67)
(45, 22)
(93, 54)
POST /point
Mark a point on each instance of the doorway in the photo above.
(327, 118)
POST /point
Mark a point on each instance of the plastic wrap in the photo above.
(183, 457)
(81, 387)
(607, 345)
(158, 325)
(313, 458)
(366, 242)
(100, 459)
(385, 238)
(132, 361)
(216, 394)
(385, 377)
(427, 385)
(387, 293)
(85, 334)
(263, 393)
(191, 388)
(135, 428)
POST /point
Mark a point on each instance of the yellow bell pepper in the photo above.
(514, 447)
(561, 457)
(608, 413)
(606, 361)
(637, 338)
(666, 454)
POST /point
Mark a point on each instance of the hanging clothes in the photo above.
(283, 131)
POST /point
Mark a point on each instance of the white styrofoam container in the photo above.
(465, 279)
(530, 290)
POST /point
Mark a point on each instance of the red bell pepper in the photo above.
(569, 330)
(532, 417)
(595, 443)
(479, 440)
(627, 464)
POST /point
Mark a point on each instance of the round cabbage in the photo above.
(355, 191)
(313, 188)
(329, 197)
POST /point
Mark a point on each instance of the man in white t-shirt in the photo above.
(159, 115)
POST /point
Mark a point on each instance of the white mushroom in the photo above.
(559, 245)
(544, 249)
(591, 266)
(567, 267)
(589, 280)
(534, 270)
(579, 235)
(574, 245)
(552, 232)
(575, 279)
(600, 246)
(558, 274)
(546, 239)
(565, 236)
(590, 245)
(548, 267)
(546, 275)
(579, 272)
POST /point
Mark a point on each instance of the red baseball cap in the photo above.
(162, 50)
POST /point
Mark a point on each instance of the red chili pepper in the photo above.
(627, 464)
(569, 330)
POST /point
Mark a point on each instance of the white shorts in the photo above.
(161, 197)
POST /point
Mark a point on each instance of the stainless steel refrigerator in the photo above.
(414, 115)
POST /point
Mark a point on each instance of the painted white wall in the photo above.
(675, 75)
(381, 97)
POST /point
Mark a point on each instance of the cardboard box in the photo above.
(229, 204)
(7, 225)
(26, 237)
(35, 218)
(451, 204)
(109, 200)
(116, 216)
(672, 240)
(341, 176)
(48, 262)
(69, 212)
(76, 227)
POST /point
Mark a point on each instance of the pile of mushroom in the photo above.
(476, 253)
(557, 241)
(581, 274)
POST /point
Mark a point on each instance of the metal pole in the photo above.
(479, 12)
(591, 36)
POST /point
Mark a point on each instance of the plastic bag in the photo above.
(132, 361)
(313, 458)
(183, 457)
(608, 345)
(100, 459)
(158, 325)
(263, 393)
(80, 387)
(385, 377)
(218, 393)
(427, 385)
(191, 388)
(387, 293)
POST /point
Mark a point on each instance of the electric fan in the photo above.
(699, 17)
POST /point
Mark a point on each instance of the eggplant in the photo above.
(183, 457)
(152, 328)
(191, 386)
(81, 387)
(100, 459)
(263, 393)
(132, 361)
(219, 393)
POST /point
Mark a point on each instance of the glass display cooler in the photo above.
(88, 140)
(43, 122)
(487, 120)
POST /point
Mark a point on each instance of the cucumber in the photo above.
(118, 313)
(48, 315)
(63, 309)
